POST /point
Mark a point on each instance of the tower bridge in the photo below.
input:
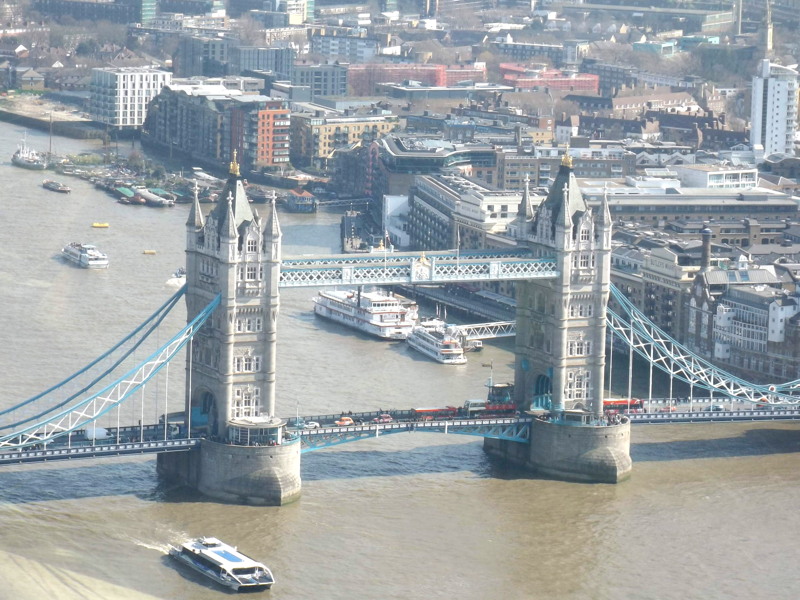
(234, 270)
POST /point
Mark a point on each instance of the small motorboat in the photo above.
(97, 225)
(224, 564)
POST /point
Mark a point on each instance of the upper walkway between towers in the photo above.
(387, 268)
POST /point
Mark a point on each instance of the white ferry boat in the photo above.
(224, 564)
(438, 341)
(85, 255)
(376, 313)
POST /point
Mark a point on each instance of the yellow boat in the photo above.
(100, 225)
(148, 252)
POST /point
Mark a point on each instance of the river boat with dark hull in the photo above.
(85, 256)
(377, 313)
(28, 158)
(56, 186)
(223, 564)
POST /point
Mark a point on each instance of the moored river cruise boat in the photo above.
(86, 256)
(436, 340)
(377, 313)
(224, 564)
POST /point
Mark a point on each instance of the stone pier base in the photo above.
(256, 475)
(599, 454)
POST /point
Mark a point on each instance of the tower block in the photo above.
(560, 342)
(247, 456)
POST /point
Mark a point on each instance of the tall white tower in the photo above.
(561, 322)
(773, 115)
(236, 253)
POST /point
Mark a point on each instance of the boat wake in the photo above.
(159, 546)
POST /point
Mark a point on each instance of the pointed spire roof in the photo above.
(273, 226)
(565, 200)
(233, 208)
(605, 212)
(195, 218)
(525, 211)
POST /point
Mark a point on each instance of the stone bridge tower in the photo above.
(560, 342)
(230, 383)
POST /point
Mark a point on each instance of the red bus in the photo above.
(615, 405)
(432, 414)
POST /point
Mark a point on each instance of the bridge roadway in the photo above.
(157, 439)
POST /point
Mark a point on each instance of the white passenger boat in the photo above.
(85, 255)
(376, 313)
(438, 341)
(224, 564)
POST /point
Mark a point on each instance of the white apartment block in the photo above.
(773, 117)
(716, 176)
(119, 96)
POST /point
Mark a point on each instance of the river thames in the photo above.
(710, 510)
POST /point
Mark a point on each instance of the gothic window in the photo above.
(259, 324)
(252, 245)
(593, 261)
(584, 261)
(584, 234)
(252, 270)
(240, 273)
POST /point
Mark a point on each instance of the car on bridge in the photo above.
(384, 418)
(310, 425)
(714, 408)
(345, 422)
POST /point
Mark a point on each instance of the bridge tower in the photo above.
(560, 342)
(230, 372)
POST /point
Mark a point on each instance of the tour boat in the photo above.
(28, 158)
(224, 564)
(437, 340)
(85, 255)
(56, 186)
(377, 313)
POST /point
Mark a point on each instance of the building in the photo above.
(278, 60)
(119, 96)
(773, 116)
(446, 211)
(115, 11)
(315, 136)
(717, 176)
(539, 164)
(523, 78)
(207, 121)
(201, 55)
(321, 79)
(657, 202)
(741, 319)
(350, 48)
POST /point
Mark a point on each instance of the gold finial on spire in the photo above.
(234, 170)
(566, 160)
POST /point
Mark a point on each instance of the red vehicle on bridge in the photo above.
(622, 405)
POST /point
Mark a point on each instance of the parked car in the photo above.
(384, 418)
(345, 422)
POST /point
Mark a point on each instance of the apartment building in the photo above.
(119, 95)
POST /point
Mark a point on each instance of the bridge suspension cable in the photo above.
(87, 410)
(672, 357)
(115, 356)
